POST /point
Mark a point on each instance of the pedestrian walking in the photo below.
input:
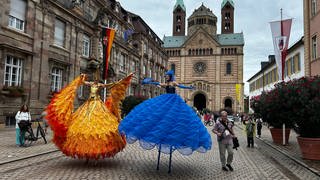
(23, 119)
(224, 131)
(259, 127)
(206, 118)
(250, 132)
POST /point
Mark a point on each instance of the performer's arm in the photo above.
(151, 81)
(107, 85)
(87, 83)
(182, 86)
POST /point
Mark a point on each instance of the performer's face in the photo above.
(167, 78)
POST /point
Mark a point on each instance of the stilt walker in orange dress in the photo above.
(90, 132)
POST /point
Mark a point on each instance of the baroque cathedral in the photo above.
(211, 62)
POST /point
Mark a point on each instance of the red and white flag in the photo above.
(280, 36)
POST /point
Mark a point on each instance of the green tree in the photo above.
(129, 103)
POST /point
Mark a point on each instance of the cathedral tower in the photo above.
(179, 19)
(227, 17)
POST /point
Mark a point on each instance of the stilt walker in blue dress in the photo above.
(166, 122)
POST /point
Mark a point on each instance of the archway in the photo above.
(228, 103)
(200, 101)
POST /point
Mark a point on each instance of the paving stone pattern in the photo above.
(135, 163)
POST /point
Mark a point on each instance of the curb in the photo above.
(316, 172)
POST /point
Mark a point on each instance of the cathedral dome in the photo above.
(202, 17)
(202, 11)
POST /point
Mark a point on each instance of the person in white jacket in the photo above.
(22, 115)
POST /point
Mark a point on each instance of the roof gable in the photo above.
(200, 34)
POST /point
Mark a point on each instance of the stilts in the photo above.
(170, 160)
(159, 157)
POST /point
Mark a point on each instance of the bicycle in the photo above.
(28, 133)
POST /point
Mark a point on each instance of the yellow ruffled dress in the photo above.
(91, 132)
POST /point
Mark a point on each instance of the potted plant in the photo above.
(306, 102)
(295, 103)
(275, 109)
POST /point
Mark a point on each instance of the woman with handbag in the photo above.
(23, 118)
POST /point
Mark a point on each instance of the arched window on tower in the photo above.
(227, 25)
(228, 68)
(178, 28)
(178, 18)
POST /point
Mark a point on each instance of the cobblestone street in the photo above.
(261, 162)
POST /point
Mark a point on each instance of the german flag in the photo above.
(107, 40)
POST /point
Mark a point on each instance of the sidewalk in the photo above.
(292, 150)
(10, 152)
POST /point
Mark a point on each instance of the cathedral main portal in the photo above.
(200, 101)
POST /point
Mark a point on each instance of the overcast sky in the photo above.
(251, 17)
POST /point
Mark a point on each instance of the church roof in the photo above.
(223, 39)
(174, 41)
(224, 2)
(231, 39)
(181, 4)
(202, 11)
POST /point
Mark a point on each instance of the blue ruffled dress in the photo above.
(166, 122)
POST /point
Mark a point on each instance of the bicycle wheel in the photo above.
(43, 135)
(28, 139)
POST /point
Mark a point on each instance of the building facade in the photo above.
(153, 58)
(267, 77)
(44, 45)
(211, 62)
(311, 10)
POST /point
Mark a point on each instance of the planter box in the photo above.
(277, 135)
(310, 147)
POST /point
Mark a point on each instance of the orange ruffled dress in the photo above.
(91, 132)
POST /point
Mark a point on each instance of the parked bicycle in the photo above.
(29, 136)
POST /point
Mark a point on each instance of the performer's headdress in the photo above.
(171, 74)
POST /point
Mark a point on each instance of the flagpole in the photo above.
(282, 74)
(281, 54)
